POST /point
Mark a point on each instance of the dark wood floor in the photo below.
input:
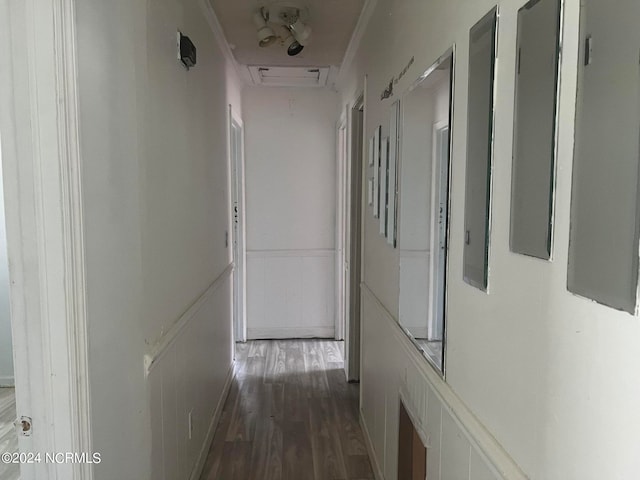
(290, 415)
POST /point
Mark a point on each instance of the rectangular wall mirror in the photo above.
(423, 220)
(376, 172)
(480, 113)
(394, 135)
(534, 146)
(603, 248)
(384, 185)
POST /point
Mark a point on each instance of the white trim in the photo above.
(356, 39)
(290, 332)
(290, 253)
(238, 229)
(480, 438)
(160, 347)
(7, 381)
(341, 282)
(43, 180)
(73, 233)
(215, 419)
(213, 21)
(375, 466)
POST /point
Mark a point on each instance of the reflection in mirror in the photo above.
(424, 209)
(603, 249)
(532, 178)
(477, 218)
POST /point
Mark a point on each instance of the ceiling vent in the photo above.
(289, 76)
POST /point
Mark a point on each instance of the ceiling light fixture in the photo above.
(289, 21)
(266, 35)
(292, 45)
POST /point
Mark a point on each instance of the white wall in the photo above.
(6, 346)
(549, 375)
(154, 149)
(290, 138)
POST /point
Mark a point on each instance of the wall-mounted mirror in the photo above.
(603, 249)
(477, 216)
(423, 220)
(534, 146)
(394, 136)
(384, 184)
(376, 172)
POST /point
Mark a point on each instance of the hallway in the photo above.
(290, 414)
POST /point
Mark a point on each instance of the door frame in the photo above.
(238, 225)
(341, 228)
(435, 272)
(45, 231)
(351, 174)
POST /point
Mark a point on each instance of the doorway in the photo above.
(236, 143)
(440, 215)
(350, 201)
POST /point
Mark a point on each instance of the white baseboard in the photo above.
(7, 381)
(288, 332)
(204, 451)
(375, 466)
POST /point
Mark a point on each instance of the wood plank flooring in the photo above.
(290, 415)
(8, 437)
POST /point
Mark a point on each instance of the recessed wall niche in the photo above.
(534, 146)
(480, 112)
(603, 248)
(412, 453)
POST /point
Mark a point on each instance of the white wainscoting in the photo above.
(458, 446)
(189, 371)
(290, 293)
(7, 381)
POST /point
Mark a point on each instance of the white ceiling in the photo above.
(332, 23)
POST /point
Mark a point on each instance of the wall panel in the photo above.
(290, 202)
(290, 294)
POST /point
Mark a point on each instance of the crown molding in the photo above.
(356, 39)
(212, 19)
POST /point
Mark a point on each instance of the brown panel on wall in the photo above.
(412, 454)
